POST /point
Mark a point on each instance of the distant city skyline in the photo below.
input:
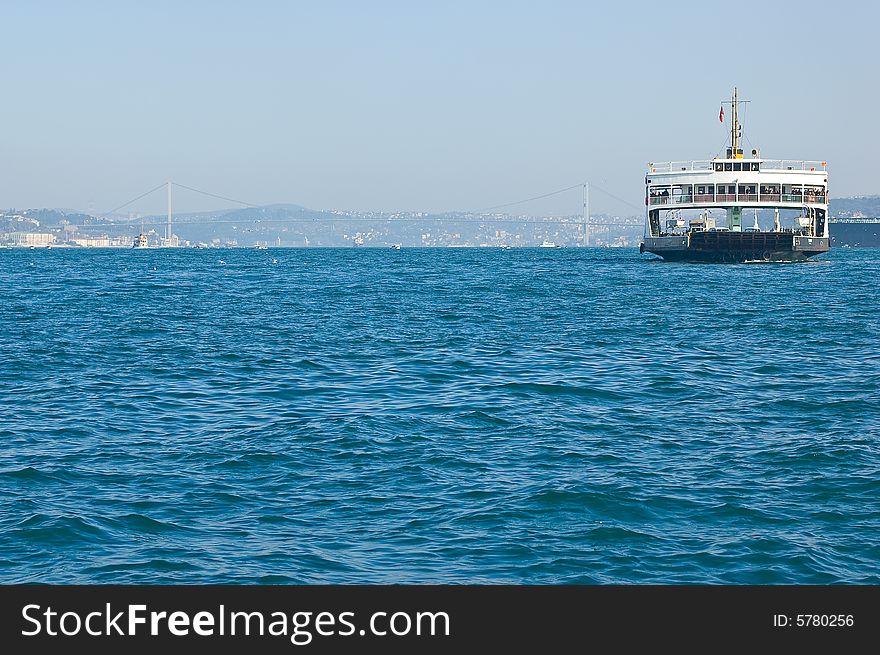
(393, 106)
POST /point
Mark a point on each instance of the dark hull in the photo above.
(721, 257)
(736, 247)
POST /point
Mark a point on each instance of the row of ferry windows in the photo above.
(737, 166)
(710, 189)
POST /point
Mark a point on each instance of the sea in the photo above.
(527, 416)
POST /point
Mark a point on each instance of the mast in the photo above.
(735, 152)
(734, 126)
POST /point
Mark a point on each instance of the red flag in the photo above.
(721, 115)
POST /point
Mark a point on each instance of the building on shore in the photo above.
(95, 242)
(30, 239)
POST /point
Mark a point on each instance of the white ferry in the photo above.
(681, 198)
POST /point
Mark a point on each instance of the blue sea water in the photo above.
(437, 415)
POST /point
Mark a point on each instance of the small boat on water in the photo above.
(140, 241)
(395, 246)
(549, 244)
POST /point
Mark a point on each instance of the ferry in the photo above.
(684, 201)
(140, 241)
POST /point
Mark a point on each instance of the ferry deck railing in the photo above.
(709, 165)
(686, 199)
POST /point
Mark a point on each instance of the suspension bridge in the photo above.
(495, 214)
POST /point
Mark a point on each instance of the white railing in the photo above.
(792, 165)
(708, 165)
(678, 166)
(726, 198)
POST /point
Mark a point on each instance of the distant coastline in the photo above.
(856, 225)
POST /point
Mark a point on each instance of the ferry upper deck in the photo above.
(736, 182)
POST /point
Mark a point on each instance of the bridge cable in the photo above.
(214, 195)
(519, 202)
(126, 204)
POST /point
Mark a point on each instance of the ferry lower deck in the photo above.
(736, 247)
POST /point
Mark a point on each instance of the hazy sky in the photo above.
(419, 105)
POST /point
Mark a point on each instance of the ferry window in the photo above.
(754, 165)
(737, 166)
(701, 190)
(718, 167)
(728, 166)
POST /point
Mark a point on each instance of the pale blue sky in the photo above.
(419, 105)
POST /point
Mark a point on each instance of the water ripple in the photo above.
(437, 416)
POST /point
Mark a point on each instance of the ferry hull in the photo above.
(736, 247)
